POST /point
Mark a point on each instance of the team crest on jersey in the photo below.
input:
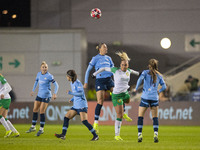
(98, 87)
(127, 73)
(119, 100)
(45, 78)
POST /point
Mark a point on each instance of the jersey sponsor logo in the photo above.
(41, 82)
(98, 87)
(104, 63)
(45, 78)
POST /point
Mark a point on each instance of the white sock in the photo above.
(139, 133)
(11, 126)
(32, 126)
(117, 127)
(96, 121)
(156, 133)
(4, 123)
(41, 128)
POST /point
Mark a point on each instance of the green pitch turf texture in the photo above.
(78, 137)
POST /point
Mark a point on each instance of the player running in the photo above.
(5, 101)
(152, 78)
(44, 79)
(120, 94)
(79, 106)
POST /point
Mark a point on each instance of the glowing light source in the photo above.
(14, 16)
(5, 12)
(165, 43)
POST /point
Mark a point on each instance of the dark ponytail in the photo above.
(72, 74)
(99, 46)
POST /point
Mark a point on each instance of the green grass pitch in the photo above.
(78, 137)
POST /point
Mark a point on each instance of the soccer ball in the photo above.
(95, 13)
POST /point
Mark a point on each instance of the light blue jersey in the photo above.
(150, 89)
(79, 100)
(44, 81)
(100, 61)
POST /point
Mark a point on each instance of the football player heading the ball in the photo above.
(120, 94)
(103, 80)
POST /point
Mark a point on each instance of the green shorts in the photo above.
(5, 103)
(120, 99)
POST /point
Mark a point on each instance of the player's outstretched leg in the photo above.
(91, 129)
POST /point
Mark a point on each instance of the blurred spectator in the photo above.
(91, 93)
(165, 95)
(194, 83)
(183, 92)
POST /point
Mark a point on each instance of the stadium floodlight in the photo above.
(165, 43)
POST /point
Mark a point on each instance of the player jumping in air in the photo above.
(120, 94)
(103, 80)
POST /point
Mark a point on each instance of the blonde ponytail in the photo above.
(123, 56)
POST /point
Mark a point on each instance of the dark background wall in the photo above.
(136, 25)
